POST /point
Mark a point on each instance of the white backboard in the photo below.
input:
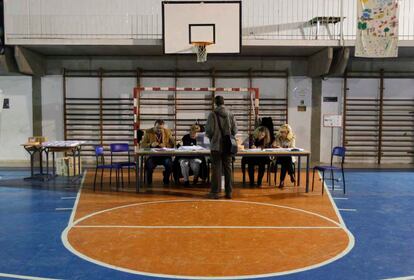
(215, 21)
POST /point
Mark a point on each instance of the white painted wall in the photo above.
(16, 122)
(331, 88)
(360, 88)
(52, 107)
(300, 93)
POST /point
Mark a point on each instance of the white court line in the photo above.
(63, 209)
(65, 241)
(75, 206)
(347, 210)
(340, 198)
(15, 276)
(68, 197)
(204, 227)
(401, 278)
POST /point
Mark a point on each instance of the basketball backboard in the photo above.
(188, 22)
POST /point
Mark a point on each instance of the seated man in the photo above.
(158, 137)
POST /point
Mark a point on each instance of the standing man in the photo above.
(158, 137)
(220, 161)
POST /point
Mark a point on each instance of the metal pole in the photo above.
(287, 95)
(213, 84)
(345, 109)
(175, 106)
(101, 105)
(64, 106)
(341, 36)
(381, 113)
(250, 102)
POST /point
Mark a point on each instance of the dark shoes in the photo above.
(186, 183)
(228, 196)
(195, 180)
(212, 196)
(281, 184)
(292, 178)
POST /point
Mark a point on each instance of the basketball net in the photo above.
(200, 48)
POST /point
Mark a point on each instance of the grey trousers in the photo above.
(186, 164)
(220, 163)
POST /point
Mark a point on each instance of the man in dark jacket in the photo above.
(220, 161)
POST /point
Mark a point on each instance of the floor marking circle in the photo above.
(64, 238)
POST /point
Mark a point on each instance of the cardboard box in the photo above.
(64, 166)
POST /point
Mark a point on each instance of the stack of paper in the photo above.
(162, 149)
(191, 148)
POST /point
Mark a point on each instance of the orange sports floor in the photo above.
(175, 231)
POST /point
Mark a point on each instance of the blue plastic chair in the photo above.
(122, 148)
(100, 164)
(336, 152)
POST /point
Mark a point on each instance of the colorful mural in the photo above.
(377, 34)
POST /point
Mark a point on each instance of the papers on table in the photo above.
(253, 150)
(62, 144)
(162, 149)
(284, 150)
(191, 148)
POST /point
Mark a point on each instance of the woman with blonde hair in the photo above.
(285, 139)
(260, 139)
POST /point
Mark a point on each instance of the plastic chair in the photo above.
(336, 152)
(122, 148)
(100, 164)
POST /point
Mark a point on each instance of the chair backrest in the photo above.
(99, 154)
(338, 152)
(99, 150)
(119, 147)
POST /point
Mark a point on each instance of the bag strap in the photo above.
(219, 124)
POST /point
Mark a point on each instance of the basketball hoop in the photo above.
(200, 48)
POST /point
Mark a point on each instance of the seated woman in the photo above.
(192, 163)
(285, 139)
(261, 139)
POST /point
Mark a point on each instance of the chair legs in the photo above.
(332, 180)
(94, 180)
(323, 181)
(313, 178)
(102, 172)
(343, 178)
(243, 169)
(110, 176)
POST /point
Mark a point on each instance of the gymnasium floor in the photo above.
(271, 223)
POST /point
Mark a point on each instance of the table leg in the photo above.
(47, 163)
(137, 173)
(41, 161)
(31, 164)
(79, 160)
(142, 172)
(307, 173)
(74, 162)
(299, 169)
(53, 164)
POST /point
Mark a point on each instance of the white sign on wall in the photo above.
(330, 120)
